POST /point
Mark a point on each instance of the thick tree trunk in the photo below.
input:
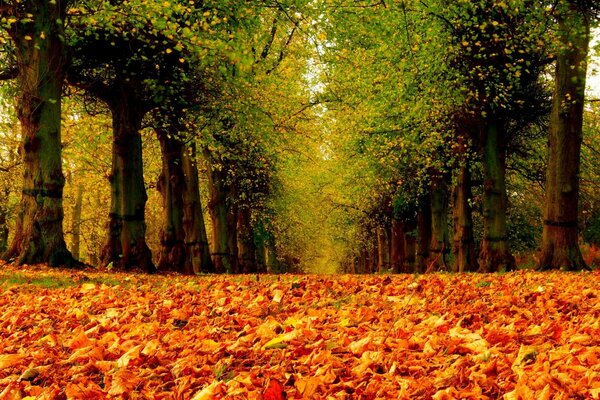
(465, 258)
(126, 246)
(397, 247)
(76, 223)
(196, 240)
(560, 246)
(494, 254)
(440, 242)
(424, 233)
(41, 54)
(218, 206)
(171, 185)
(246, 246)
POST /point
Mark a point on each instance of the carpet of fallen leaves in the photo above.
(92, 335)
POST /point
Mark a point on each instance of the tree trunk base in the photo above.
(496, 259)
(567, 259)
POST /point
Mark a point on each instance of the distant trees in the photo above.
(462, 92)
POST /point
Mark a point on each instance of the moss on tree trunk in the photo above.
(219, 207)
(465, 258)
(171, 185)
(397, 247)
(439, 224)
(424, 233)
(196, 241)
(494, 254)
(246, 246)
(560, 246)
(126, 246)
(41, 54)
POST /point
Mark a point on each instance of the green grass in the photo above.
(47, 282)
(8, 280)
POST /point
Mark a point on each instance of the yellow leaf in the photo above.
(27, 37)
(280, 341)
(86, 287)
(277, 296)
(208, 392)
(8, 360)
(169, 51)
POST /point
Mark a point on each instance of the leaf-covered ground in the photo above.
(89, 335)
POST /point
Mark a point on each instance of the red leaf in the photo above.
(274, 391)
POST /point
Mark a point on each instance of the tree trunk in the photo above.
(3, 219)
(218, 207)
(126, 246)
(383, 250)
(494, 254)
(439, 224)
(410, 249)
(232, 230)
(464, 245)
(41, 55)
(196, 241)
(171, 185)
(273, 264)
(398, 244)
(76, 223)
(246, 246)
(424, 233)
(560, 247)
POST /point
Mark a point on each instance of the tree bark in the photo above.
(171, 185)
(126, 246)
(196, 240)
(41, 55)
(246, 246)
(464, 245)
(218, 206)
(560, 245)
(494, 254)
(231, 220)
(439, 224)
(397, 247)
(410, 249)
(76, 223)
(424, 233)
(383, 250)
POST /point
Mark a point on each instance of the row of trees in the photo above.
(441, 99)
(191, 72)
(374, 134)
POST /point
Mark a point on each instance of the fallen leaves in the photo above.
(519, 335)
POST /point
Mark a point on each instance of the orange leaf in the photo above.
(123, 381)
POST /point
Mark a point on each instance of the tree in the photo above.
(37, 31)
(560, 239)
(134, 64)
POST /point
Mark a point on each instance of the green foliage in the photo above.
(592, 232)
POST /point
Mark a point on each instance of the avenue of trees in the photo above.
(228, 136)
